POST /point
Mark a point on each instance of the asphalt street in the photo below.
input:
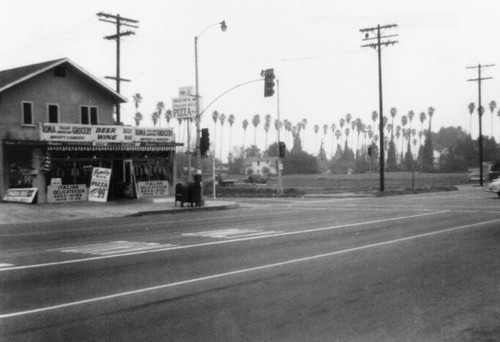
(401, 268)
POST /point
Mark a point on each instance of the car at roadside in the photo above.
(493, 186)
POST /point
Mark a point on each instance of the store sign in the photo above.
(183, 107)
(67, 193)
(152, 188)
(103, 134)
(21, 195)
(99, 184)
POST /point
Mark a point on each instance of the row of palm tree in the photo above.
(492, 106)
(339, 132)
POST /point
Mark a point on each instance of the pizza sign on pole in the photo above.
(184, 107)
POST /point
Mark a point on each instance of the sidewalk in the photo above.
(14, 213)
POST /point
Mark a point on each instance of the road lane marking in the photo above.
(232, 233)
(5, 265)
(114, 247)
(213, 243)
(242, 271)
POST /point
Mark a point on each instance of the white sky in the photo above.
(313, 46)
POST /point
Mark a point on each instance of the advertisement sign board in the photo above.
(103, 134)
(99, 184)
(20, 195)
(67, 193)
(152, 188)
(183, 107)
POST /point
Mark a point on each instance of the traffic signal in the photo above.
(370, 150)
(268, 82)
(282, 149)
(46, 165)
(204, 142)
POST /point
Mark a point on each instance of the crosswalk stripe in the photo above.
(115, 247)
(232, 233)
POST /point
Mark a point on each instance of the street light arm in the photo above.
(227, 91)
(222, 25)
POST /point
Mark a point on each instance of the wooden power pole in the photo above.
(375, 33)
(119, 22)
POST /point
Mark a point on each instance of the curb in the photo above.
(183, 210)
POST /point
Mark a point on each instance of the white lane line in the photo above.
(213, 243)
(114, 247)
(242, 271)
(232, 233)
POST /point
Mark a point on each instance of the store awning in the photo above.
(143, 147)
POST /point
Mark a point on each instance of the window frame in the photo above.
(48, 112)
(32, 114)
(92, 119)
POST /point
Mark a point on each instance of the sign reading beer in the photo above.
(103, 134)
(99, 184)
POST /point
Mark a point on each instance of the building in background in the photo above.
(57, 124)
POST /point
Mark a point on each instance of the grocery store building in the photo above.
(57, 126)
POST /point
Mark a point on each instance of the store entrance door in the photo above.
(123, 179)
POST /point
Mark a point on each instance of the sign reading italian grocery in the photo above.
(103, 133)
(20, 195)
(99, 184)
(67, 193)
(152, 188)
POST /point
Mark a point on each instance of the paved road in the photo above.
(403, 268)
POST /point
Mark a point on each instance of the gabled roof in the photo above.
(12, 77)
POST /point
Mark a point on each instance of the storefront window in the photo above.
(151, 169)
(20, 174)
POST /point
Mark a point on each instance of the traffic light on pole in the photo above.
(268, 82)
(282, 149)
(204, 142)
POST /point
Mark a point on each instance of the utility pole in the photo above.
(480, 111)
(374, 33)
(119, 22)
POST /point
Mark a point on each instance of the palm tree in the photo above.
(137, 98)
(138, 118)
(422, 118)
(288, 126)
(244, 124)
(316, 130)
(394, 112)
(255, 123)
(302, 125)
(267, 125)
(168, 116)
(472, 107)
(430, 112)
(404, 122)
(230, 121)
(222, 119)
(341, 124)
(277, 125)
(333, 127)
(493, 106)
(160, 106)
(154, 117)
(359, 128)
(215, 117)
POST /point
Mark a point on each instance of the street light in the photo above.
(223, 27)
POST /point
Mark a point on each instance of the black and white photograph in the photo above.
(228, 170)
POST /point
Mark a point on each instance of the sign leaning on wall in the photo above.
(99, 184)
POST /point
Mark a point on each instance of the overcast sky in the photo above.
(314, 47)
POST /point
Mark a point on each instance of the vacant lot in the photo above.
(366, 183)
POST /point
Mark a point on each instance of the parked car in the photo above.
(474, 175)
(493, 186)
(256, 179)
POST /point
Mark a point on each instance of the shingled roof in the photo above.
(11, 77)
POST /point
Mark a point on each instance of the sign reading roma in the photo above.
(103, 133)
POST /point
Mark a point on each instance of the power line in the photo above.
(375, 33)
(118, 21)
(480, 111)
